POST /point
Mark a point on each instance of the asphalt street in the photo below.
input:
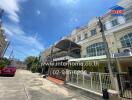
(30, 86)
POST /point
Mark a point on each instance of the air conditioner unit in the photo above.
(126, 50)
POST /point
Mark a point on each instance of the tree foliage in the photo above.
(32, 63)
(4, 62)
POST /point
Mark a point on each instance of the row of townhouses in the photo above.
(85, 44)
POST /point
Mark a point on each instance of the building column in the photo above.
(118, 65)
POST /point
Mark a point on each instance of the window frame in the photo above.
(78, 37)
(114, 22)
(93, 32)
(96, 49)
(85, 35)
(126, 40)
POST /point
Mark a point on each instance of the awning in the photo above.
(89, 58)
(62, 58)
(123, 55)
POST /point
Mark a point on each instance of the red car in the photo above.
(8, 70)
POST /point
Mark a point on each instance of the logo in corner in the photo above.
(117, 11)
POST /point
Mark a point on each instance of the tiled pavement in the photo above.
(57, 81)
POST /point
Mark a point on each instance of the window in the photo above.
(128, 16)
(96, 49)
(126, 41)
(78, 37)
(114, 22)
(93, 32)
(85, 35)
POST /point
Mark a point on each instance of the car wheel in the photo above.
(13, 75)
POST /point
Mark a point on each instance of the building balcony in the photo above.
(66, 56)
(123, 52)
(119, 27)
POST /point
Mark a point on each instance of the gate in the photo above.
(93, 81)
(125, 85)
(58, 73)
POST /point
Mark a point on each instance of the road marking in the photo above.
(26, 92)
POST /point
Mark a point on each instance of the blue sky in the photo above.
(33, 25)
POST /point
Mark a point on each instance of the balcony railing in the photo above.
(123, 54)
(63, 54)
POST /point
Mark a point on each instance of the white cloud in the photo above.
(70, 1)
(73, 20)
(63, 3)
(29, 45)
(11, 7)
(20, 40)
(14, 18)
(38, 12)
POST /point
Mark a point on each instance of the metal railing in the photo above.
(91, 81)
(125, 85)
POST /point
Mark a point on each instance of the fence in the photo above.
(125, 85)
(92, 81)
(59, 73)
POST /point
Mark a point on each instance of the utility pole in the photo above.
(107, 53)
(5, 49)
(1, 13)
(11, 54)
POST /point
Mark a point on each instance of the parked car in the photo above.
(8, 70)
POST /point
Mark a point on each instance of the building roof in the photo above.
(66, 44)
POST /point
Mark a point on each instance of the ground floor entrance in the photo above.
(125, 77)
(125, 85)
(125, 65)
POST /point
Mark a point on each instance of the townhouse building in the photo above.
(85, 44)
(88, 43)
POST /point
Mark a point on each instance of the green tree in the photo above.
(32, 63)
(4, 62)
(29, 61)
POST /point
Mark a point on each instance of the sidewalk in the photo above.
(57, 86)
(57, 81)
(39, 88)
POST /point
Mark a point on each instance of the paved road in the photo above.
(30, 86)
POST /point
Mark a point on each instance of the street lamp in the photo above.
(107, 52)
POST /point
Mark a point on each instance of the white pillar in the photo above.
(118, 65)
(67, 75)
(100, 81)
(91, 80)
(83, 78)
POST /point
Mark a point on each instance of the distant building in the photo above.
(18, 64)
(3, 41)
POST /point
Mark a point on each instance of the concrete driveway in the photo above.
(30, 86)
